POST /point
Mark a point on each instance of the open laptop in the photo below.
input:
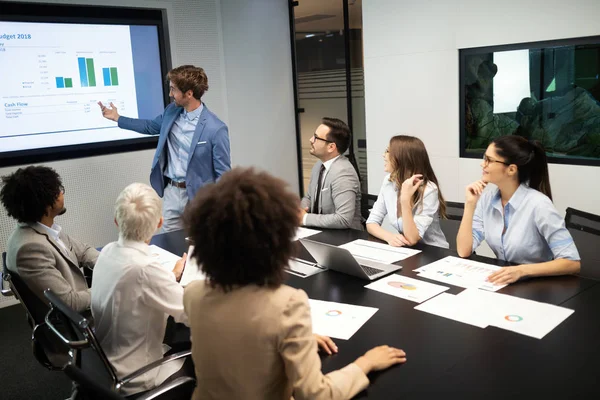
(341, 260)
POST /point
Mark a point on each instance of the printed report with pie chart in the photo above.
(527, 317)
(338, 320)
(406, 288)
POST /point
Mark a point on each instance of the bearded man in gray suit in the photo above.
(333, 196)
(38, 250)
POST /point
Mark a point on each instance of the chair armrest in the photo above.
(5, 278)
(6, 292)
(167, 387)
(151, 366)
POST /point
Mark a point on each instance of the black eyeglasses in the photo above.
(487, 160)
(318, 138)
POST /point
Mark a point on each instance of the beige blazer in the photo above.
(43, 263)
(255, 343)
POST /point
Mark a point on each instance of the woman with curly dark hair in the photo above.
(251, 335)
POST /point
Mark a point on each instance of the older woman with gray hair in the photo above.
(133, 294)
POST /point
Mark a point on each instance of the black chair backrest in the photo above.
(35, 307)
(47, 350)
(450, 225)
(366, 203)
(585, 229)
(455, 211)
(88, 388)
(79, 335)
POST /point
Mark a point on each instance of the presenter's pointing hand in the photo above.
(109, 112)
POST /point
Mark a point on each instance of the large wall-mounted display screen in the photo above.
(54, 73)
(547, 91)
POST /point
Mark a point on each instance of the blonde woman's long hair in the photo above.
(408, 156)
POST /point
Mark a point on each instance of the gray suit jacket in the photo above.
(340, 197)
(42, 263)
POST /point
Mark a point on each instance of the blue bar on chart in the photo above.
(60, 82)
(82, 71)
(106, 75)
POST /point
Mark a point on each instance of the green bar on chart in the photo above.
(114, 78)
(68, 82)
(90, 71)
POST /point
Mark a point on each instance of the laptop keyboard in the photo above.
(370, 270)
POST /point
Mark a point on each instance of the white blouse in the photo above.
(425, 213)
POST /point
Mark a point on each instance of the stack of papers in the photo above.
(447, 306)
(378, 252)
(406, 288)
(163, 257)
(460, 272)
(302, 233)
(192, 271)
(338, 320)
(482, 308)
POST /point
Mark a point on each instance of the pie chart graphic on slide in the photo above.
(333, 313)
(513, 318)
(402, 285)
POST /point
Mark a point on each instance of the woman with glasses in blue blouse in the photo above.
(517, 218)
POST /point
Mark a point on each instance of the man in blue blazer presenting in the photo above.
(193, 144)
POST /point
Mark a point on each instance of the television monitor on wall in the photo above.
(59, 61)
(546, 91)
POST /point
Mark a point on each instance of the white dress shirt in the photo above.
(54, 233)
(132, 297)
(425, 213)
(179, 143)
(327, 165)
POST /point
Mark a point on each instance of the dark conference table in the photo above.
(449, 358)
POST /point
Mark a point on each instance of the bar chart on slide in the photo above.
(56, 87)
(111, 76)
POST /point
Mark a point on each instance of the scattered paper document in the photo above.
(302, 233)
(461, 272)
(338, 320)
(164, 258)
(406, 288)
(527, 317)
(303, 268)
(192, 271)
(378, 252)
(448, 306)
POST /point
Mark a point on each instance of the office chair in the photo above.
(48, 351)
(5, 278)
(450, 225)
(585, 230)
(94, 370)
(366, 203)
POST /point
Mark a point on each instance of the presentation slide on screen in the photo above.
(511, 83)
(53, 76)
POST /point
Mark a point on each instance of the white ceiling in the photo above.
(307, 8)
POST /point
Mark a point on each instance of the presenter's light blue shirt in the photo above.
(425, 213)
(179, 143)
(535, 232)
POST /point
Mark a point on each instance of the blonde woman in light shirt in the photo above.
(410, 197)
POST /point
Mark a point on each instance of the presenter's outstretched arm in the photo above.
(109, 112)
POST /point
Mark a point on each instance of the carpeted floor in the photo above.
(21, 376)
